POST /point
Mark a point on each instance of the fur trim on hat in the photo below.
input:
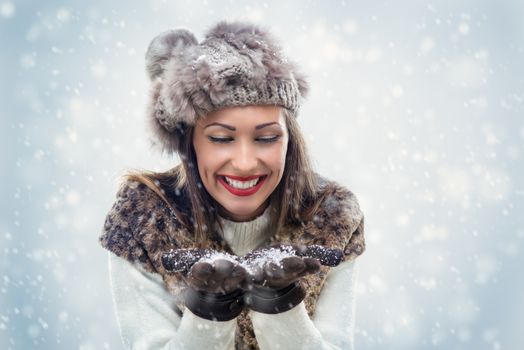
(237, 64)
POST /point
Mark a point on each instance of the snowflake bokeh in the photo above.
(415, 106)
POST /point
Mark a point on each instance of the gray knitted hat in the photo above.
(237, 64)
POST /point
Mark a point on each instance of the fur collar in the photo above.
(141, 227)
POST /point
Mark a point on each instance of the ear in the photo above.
(164, 46)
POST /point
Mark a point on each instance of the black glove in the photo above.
(215, 280)
(327, 256)
(275, 271)
(181, 260)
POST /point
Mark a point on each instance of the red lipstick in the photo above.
(242, 192)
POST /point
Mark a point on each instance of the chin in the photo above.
(243, 212)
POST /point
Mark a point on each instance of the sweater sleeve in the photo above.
(146, 314)
(333, 323)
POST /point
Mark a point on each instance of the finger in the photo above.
(245, 284)
(237, 279)
(208, 285)
(227, 275)
(258, 275)
(238, 272)
(312, 265)
(233, 283)
(181, 260)
(273, 271)
(223, 267)
(190, 254)
(327, 256)
(293, 264)
(330, 256)
(202, 270)
(170, 263)
(175, 264)
(202, 276)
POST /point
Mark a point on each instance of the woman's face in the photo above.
(241, 153)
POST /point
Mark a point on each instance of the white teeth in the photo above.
(241, 184)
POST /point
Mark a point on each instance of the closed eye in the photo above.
(269, 139)
(229, 139)
(220, 139)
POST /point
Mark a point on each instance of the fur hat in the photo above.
(237, 64)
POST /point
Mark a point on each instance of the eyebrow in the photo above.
(232, 128)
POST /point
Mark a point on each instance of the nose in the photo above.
(244, 159)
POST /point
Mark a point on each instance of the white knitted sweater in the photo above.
(147, 320)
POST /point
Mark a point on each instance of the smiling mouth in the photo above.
(242, 185)
(242, 188)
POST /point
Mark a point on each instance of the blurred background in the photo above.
(416, 106)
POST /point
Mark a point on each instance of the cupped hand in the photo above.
(181, 260)
(218, 276)
(280, 265)
(281, 274)
(327, 256)
(207, 270)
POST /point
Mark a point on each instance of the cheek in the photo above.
(282, 157)
(209, 160)
(278, 158)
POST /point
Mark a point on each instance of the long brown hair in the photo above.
(295, 199)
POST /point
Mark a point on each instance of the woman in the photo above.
(232, 248)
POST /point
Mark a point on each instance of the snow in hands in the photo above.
(181, 260)
(259, 258)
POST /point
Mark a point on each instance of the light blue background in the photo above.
(415, 106)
